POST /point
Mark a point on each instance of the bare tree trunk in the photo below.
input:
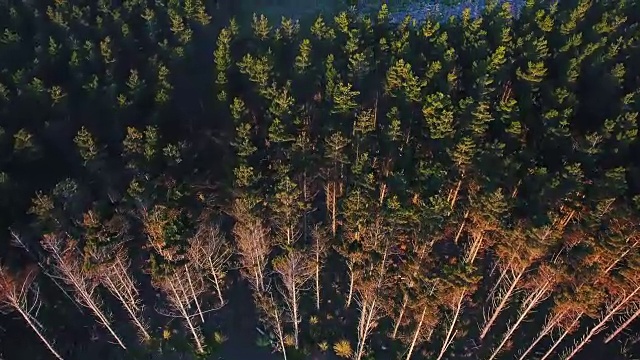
(546, 329)
(399, 320)
(623, 326)
(454, 197)
(617, 260)
(296, 320)
(559, 339)
(216, 282)
(503, 302)
(351, 280)
(317, 270)
(449, 338)
(475, 247)
(600, 326)
(416, 334)
(532, 300)
(464, 221)
(133, 313)
(193, 294)
(34, 327)
(280, 333)
(368, 313)
(187, 318)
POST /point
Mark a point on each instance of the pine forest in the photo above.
(175, 183)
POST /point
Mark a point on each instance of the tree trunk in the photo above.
(350, 289)
(399, 320)
(193, 293)
(548, 327)
(416, 334)
(532, 300)
(296, 322)
(502, 304)
(317, 284)
(454, 197)
(558, 340)
(614, 262)
(475, 247)
(33, 326)
(216, 282)
(127, 305)
(464, 220)
(447, 340)
(280, 333)
(365, 327)
(187, 318)
(623, 326)
(600, 326)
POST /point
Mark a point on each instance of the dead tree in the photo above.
(273, 316)
(426, 322)
(253, 247)
(209, 250)
(611, 310)
(18, 293)
(68, 268)
(319, 252)
(457, 302)
(550, 324)
(182, 298)
(630, 318)
(370, 312)
(504, 296)
(294, 269)
(540, 289)
(115, 275)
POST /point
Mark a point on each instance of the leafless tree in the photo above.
(68, 267)
(369, 307)
(294, 269)
(425, 314)
(211, 252)
(539, 289)
(254, 247)
(182, 295)
(116, 276)
(19, 294)
(456, 301)
(319, 252)
(273, 316)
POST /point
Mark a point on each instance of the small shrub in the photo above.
(219, 337)
(343, 349)
(324, 346)
(289, 340)
(313, 320)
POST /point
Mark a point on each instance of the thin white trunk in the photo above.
(193, 294)
(399, 320)
(617, 260)
(464, 221)
(317, 281)
(548, 327)
(448, 339)
(600, 326)
(133, 313)
(532, 300)
(29, 320)
(455, 193)
(365, 327)
(350, 288)
(416, 334)
(294, 303)
(216, 282)
(187, 318)
(623, 326)
(475, 247)
(280, 333)
(503, 303)
(559, 339)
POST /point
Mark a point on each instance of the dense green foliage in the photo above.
(466, 188)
